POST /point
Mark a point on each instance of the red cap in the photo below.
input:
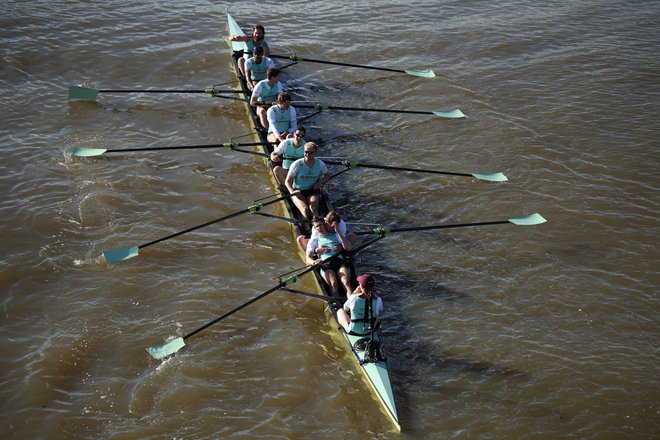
(366, 281)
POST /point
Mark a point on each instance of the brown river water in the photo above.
(493, 332)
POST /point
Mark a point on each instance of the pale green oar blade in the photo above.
(495, 177)
(120, 254)
(163, 350)
(422, 73)
(235, 29)
(87, 152)
(454, 114)
(82, 93)
(534, 219)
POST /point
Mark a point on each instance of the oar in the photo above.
(530, 220)
(495, 177)
(88, 152)
(78, 93)
(451, 114)
(120, 254)
(168, 348)
(296, 59)
(315, 295)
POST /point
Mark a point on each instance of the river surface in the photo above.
(493, 332)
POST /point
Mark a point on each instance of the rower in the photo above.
(256, 39)
(286, 152)
(282, 119)
(332, 218)
(265, 93)
(325, 250)
(361, 312)
(257, 66)
(305, 178)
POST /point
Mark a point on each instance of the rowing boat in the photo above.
(373, 365)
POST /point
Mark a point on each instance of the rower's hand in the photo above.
(318, 262)
(317, 186)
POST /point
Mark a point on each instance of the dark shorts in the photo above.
(309, 192)
(333, 263)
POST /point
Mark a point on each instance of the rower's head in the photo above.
(258, 32)
(258, 53)
(284, 100)
(332, 217)
(367, 283)
(319, 224)
(272, 74)
(310, 150)
(299, 134)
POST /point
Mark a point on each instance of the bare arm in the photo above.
(239, 37)
(289, 182)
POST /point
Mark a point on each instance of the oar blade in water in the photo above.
(87, 152)
(77, 93)
(120, 254)
(534, 219)
(495, 177)
(421, 73)
(166, 349)
(453, 114)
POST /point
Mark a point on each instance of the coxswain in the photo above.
(305, 178)
(265, 93)
(286, 152)
(257, 66)
(256, 39)
(282, 119)
(357, 317)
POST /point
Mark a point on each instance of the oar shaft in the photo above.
(358, 109)
(386, 167)
(207, 91)
(428, 228)
(226, 217)
(464, 225)
(190, 147)
(256, 298)
(335, 63)
(231, 312)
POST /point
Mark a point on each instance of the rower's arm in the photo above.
(289, 181)
(238, 38)
(348, 246)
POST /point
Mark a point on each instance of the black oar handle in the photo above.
(252, 208)
(296, 59)
(385, 231)
(290, 280)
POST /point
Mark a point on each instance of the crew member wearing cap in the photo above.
(256, 39)
(256, 67)
(353, 316)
